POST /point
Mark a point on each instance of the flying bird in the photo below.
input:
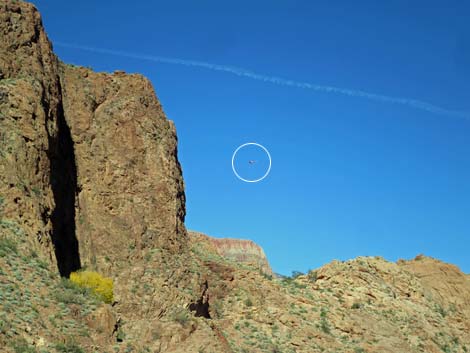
(251, 161)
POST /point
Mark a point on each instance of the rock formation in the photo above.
(237, 250)
(92, 154)
(89, 178)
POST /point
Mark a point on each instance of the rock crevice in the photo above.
(63, 177)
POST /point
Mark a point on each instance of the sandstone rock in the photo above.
(130, 191)
(237, 250)
(91, 158)
(30, 109)
(103, 319)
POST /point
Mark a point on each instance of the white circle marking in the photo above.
(264, 149)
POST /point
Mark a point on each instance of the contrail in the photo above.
(238, 71)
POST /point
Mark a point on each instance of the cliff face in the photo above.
(236, 250)
(30, 115)
(88, 160)
(130, 191)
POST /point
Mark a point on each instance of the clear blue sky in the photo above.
(350, 176)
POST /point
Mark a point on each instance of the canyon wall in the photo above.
(88, 160)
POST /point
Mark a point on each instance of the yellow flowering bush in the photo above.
(101, 286)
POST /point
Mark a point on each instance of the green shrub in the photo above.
(324, 326)
(312, 276)
(356, 305)
(7, 246)
(120, 335)
(296, 274)
(181, 317)
(69, 347)
(441, 310)
(21, 346)
(248, 302)
(70, 293)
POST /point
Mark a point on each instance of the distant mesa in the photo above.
(237, 250)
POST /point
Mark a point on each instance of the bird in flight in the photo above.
(251, 161)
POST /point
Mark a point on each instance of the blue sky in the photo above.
(350, 176)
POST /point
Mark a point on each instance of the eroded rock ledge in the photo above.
(237, 250)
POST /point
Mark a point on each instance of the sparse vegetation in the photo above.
(21, 346)
(181, 317)
(312, 276)
(69, 347)
(7, 245)
(440, 309)
(120, 335)
(356, 305)
(69, 293)
(324, 325)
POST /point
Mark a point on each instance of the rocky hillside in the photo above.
(89, 179)
(237, 250)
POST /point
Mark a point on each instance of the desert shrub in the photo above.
(312, 276)
(325, 327)
(356, 305)
(69, 347)
(218, 309)
(7, 246)
(440, 309)
(267, 276)
(68, 292)
(21, 346)
(248, 302)
(120, 335)
(181, 317)
(101, 286)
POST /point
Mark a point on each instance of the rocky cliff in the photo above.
(129, 186)
(236, 250)
(89, 178)
(89, 173)
(30, 116)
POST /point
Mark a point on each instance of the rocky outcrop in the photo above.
(88, 160)
(237, 250)
(130, 191)
(445, 282)
(30, 115)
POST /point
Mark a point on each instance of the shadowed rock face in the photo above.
(237, 250)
